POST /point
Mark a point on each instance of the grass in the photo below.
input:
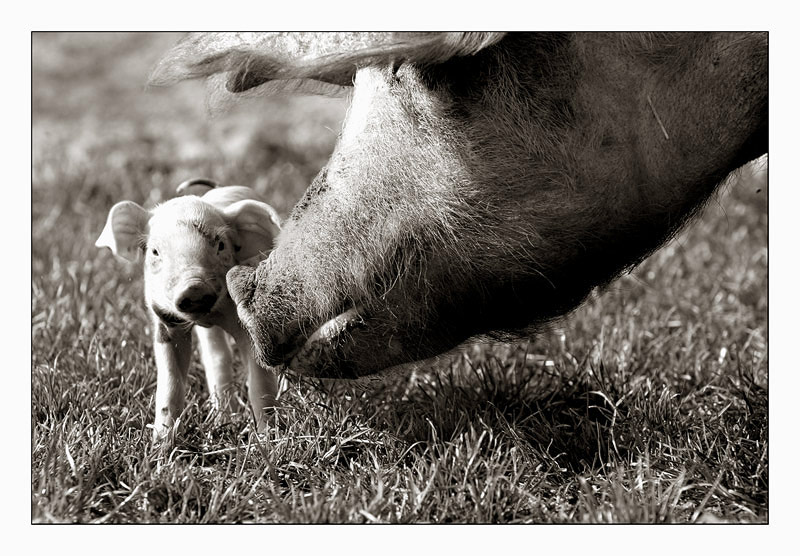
(646, 405)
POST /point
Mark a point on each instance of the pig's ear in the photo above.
(281, 61)
(256, 223)
(126, 224)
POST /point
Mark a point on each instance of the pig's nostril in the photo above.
(193, 301)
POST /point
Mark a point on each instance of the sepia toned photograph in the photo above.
(399, 277)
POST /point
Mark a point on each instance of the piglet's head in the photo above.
(188, 244)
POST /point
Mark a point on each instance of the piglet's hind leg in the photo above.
(262, 384)
(262, 389)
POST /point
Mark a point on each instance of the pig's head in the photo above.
(482, 183)
(188, 244)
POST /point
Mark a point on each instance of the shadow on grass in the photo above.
(588, 420)
(554, 416)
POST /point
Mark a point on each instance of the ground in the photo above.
(646, 405)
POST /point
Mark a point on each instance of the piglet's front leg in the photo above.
(173, 348)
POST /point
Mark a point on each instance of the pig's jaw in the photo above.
(314, 355)
(321, 345)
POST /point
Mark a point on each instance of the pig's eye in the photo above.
(221, 246)
(154, 252)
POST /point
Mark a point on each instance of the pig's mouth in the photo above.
(206, 320)
(318, 353)
(207, 316)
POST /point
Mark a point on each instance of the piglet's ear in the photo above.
(257, 225)
(126, 224)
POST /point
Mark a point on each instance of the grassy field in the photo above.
(646, 405)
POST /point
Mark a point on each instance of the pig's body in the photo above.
(188, 244)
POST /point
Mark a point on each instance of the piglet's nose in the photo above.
(196, 298)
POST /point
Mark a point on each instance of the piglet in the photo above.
(188, 244)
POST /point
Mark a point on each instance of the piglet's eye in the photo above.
(154, 251)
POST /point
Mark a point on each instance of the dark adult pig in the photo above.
(483, 183)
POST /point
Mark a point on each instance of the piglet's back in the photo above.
(222, 197)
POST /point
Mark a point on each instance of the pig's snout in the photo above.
(241, 284)
(196, 297)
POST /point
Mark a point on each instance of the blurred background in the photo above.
(94, 121)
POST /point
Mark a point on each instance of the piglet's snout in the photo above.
(196, 297)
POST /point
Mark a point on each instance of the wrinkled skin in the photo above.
(488, 192)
